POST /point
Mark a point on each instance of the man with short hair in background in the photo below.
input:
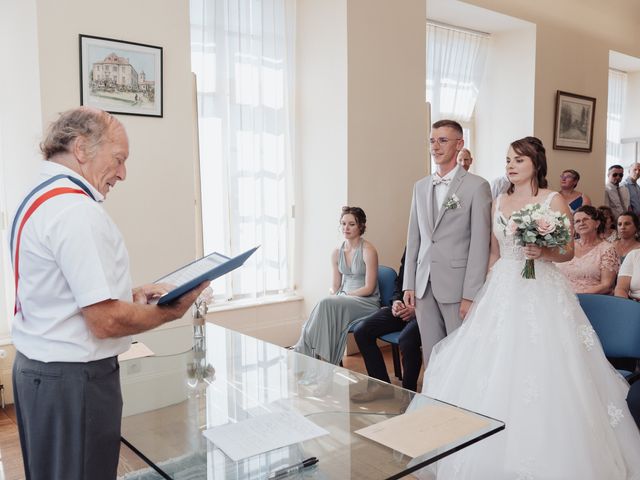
(465, 159)
(631, 182)
(616, 197)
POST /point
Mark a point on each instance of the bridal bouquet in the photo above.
(536, 224)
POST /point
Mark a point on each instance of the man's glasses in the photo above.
(617, 175)
(442, 140)
(567, 177)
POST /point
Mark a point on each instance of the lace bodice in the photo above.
(509, 249)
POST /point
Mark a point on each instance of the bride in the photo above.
(527, 355)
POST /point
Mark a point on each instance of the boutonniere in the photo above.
(452, 203)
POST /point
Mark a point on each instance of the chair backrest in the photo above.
(386, 284)
(616, 322)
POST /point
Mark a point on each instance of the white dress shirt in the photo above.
(71, 255)
(442, 188)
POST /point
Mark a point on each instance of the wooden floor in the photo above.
(11, 458)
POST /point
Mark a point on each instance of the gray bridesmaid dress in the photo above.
(325, 333)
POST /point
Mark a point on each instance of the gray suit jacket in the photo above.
(453, 249)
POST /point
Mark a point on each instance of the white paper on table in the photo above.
(425, 429)
(262, 433)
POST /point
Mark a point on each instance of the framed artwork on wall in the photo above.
(121, 77)
(573, 127)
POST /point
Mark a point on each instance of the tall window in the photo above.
(615, 114)
(455, 66)
(241, 52)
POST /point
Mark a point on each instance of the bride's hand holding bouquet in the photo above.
(535, 224)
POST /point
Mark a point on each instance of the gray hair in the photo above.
(89, 123)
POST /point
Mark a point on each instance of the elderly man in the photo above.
(465, 159)
(75, 307)
(616, 197)
(631, 182)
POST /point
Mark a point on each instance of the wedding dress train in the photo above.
(527, 355)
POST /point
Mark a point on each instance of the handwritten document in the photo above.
(263, 433)
(421, 431)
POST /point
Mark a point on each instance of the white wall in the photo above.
(321, 139)
(388, 124)
(631, 127)
(505, 107)
(20, 132)
(154, 208)
(362, 126)
(572, 55)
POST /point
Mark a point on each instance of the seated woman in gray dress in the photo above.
(354, 293)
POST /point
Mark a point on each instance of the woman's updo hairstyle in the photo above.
(358, 214)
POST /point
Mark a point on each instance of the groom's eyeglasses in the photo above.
(442, 140)
(617, 175)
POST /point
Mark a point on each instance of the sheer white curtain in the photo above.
(242, 54)
(615, 113)
(455, 67)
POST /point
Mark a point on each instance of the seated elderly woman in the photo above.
(628, 232)
(568, 182)
(595, 263)
(354, 293)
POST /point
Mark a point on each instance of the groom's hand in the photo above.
(465, 305)
(410, 298)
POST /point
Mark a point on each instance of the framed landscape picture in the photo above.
(573, 127)
(121, 77)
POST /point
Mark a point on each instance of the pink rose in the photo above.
(545, 225)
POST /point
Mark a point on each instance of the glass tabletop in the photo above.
(170, 400)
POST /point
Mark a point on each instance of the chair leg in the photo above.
(397, 366)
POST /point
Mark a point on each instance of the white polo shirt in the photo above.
(631, 268)
(71, 255)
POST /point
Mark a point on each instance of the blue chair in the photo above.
(617, 323)
(386, 285)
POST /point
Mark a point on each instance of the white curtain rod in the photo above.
(455, 28)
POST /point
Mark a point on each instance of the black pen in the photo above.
(286, 471)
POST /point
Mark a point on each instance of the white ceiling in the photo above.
(462, 14)
(623, 62)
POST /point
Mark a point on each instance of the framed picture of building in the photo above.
(574, 122)
(121, 77)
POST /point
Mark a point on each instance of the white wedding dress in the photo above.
(527, 355)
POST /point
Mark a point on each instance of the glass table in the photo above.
(169, 400)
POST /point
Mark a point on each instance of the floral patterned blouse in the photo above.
(584, 272)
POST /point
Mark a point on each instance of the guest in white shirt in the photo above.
(631, 182)
(500, 185)
(616, 196)
(628, 285)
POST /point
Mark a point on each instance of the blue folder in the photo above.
(193, 274)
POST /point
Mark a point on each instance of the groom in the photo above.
(448, 239)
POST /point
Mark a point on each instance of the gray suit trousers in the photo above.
(69, 417)
(435, 320)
